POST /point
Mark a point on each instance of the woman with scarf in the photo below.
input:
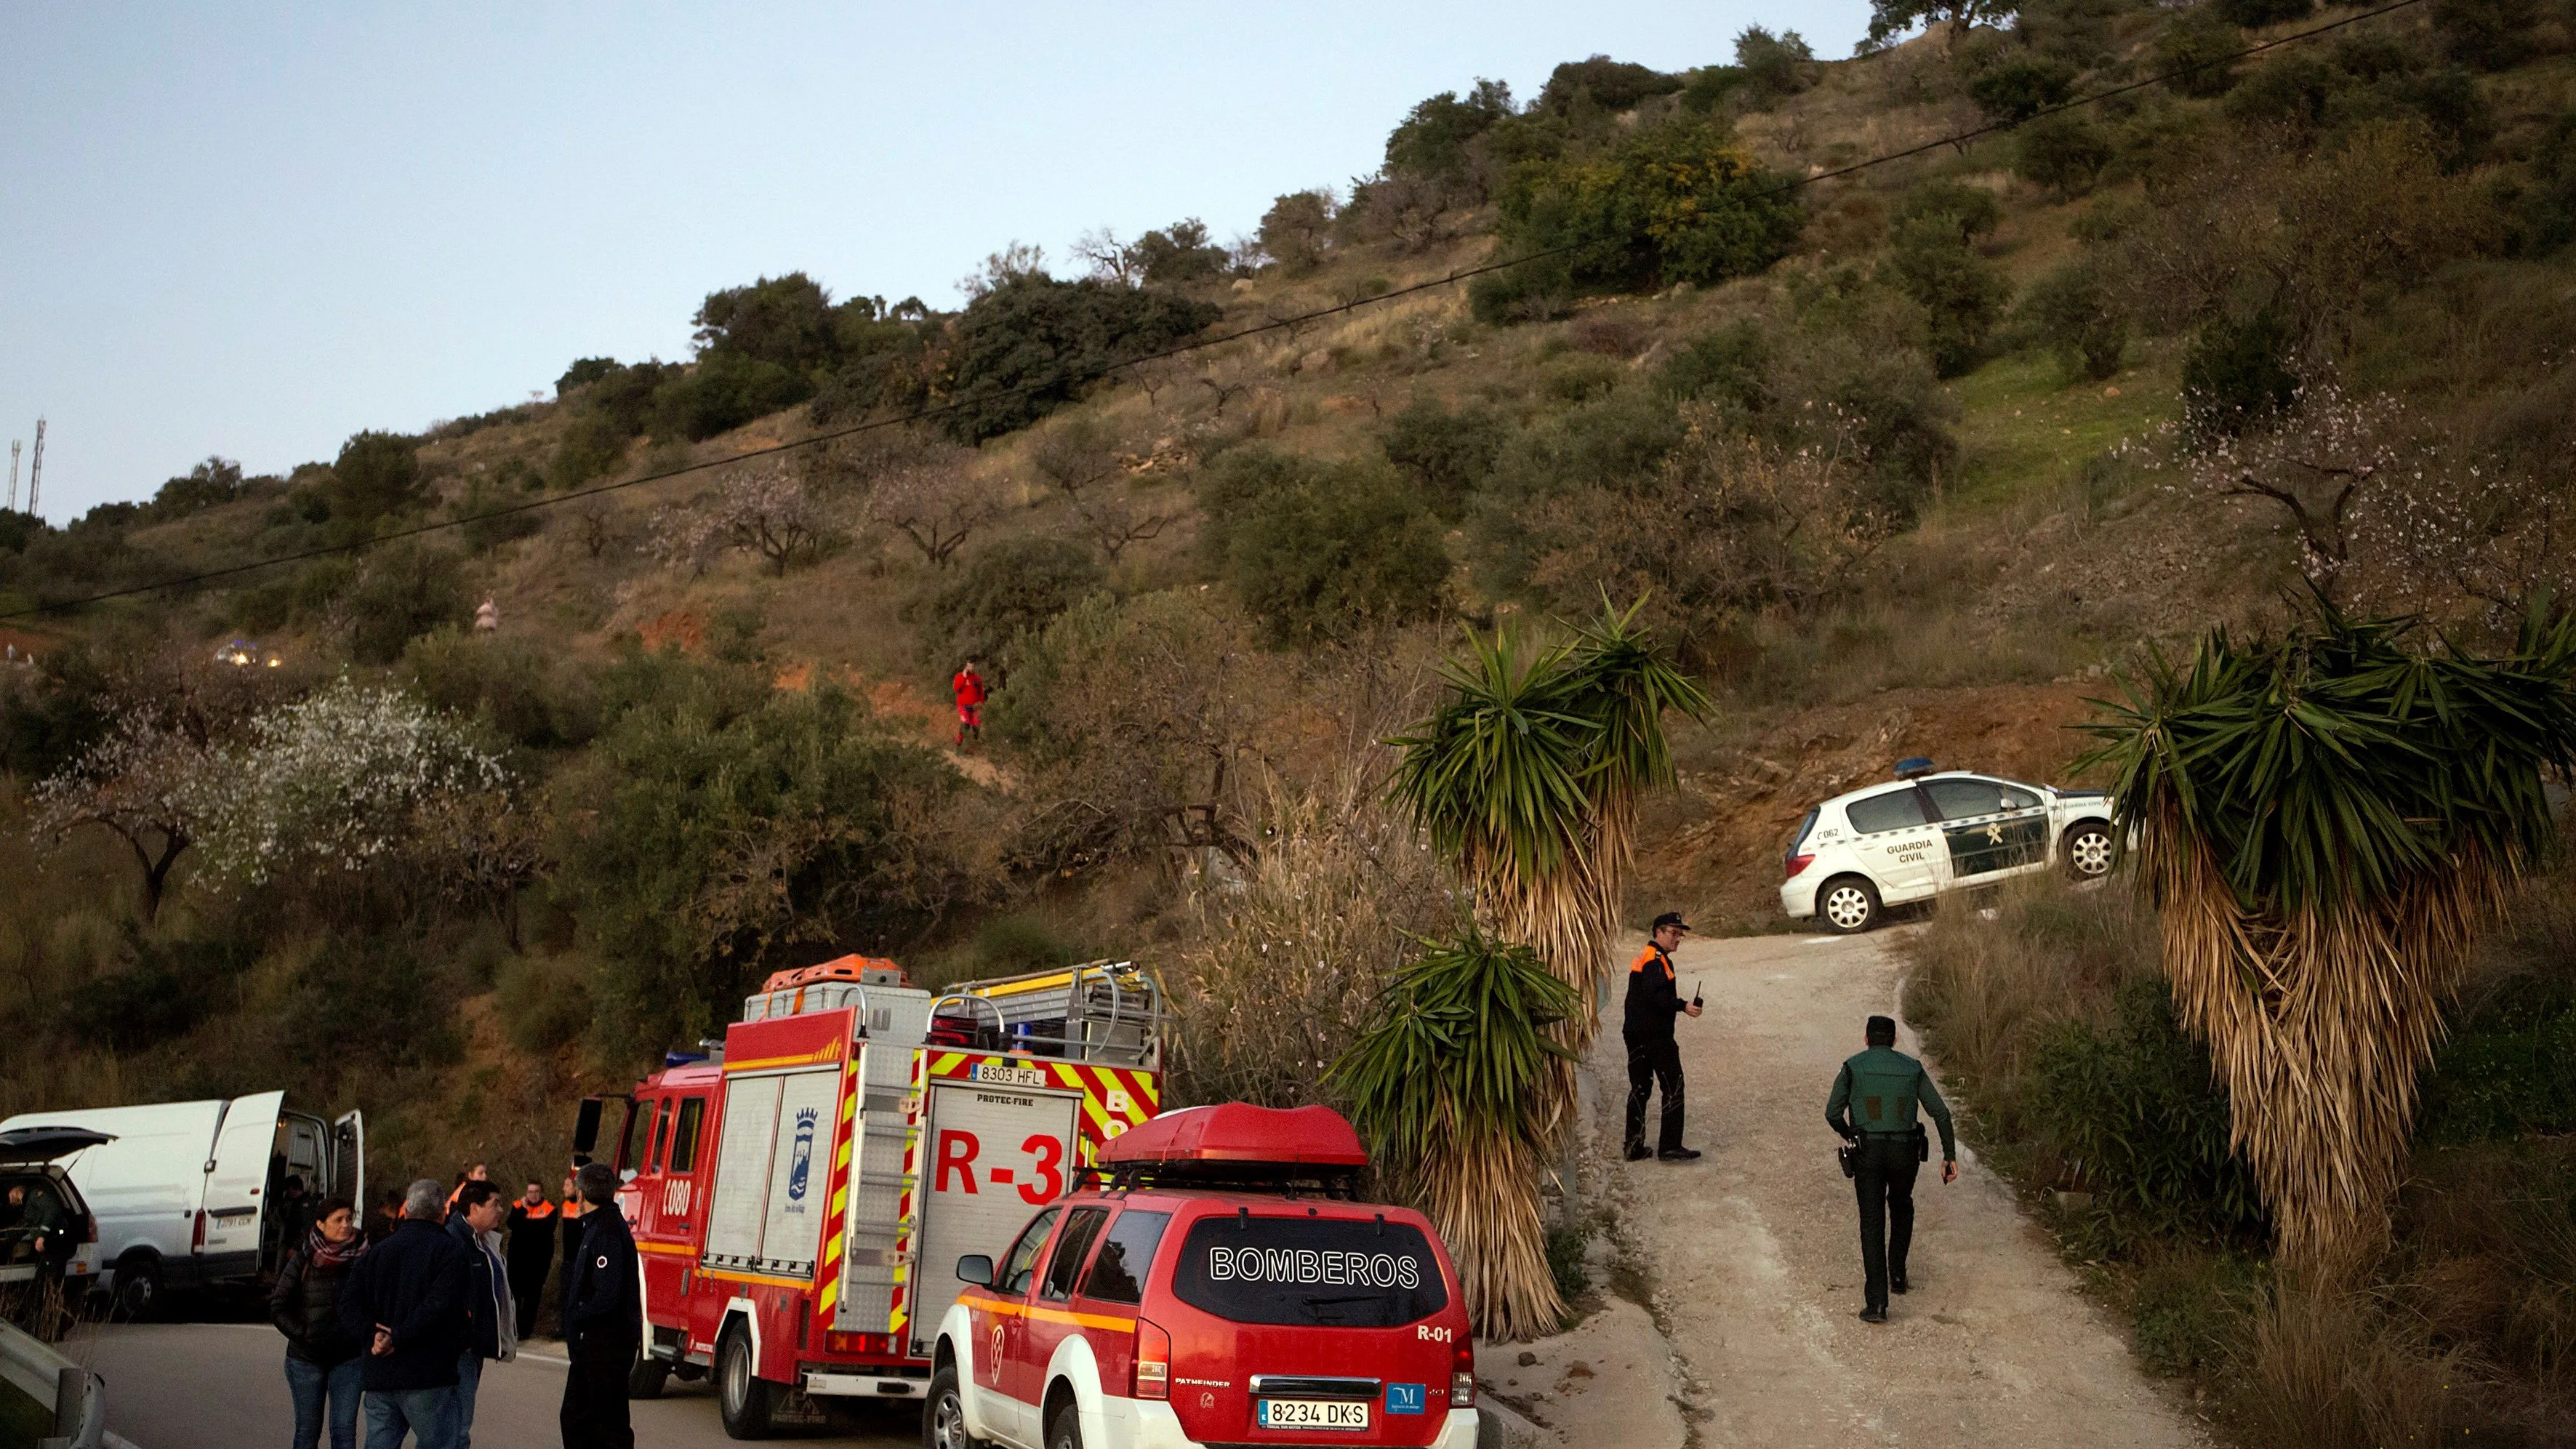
(322, 1361)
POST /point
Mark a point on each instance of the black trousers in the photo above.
(1652, 1063)
(594, 1403)
(1885, 1183)
(528, 1290)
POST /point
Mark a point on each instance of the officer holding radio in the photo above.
(1872, 1108)
(1654, 1058)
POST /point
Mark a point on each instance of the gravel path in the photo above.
(1753, 1252)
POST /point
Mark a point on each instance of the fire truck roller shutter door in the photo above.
(800, 1171)
(992, 1153)
(735, 1213)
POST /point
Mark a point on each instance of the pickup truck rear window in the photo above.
(1309, 1272)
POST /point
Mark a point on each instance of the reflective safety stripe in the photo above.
(1002, 1308)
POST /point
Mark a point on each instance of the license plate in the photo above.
(1313, 1414)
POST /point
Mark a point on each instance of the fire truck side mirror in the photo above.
(977, 1269)
(585, 1127)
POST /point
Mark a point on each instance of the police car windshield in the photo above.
(1309, 1272)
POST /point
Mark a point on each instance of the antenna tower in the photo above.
(14, 445)
(36, 466)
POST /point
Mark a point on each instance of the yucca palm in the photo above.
(2326, 820)
(1448, 1083)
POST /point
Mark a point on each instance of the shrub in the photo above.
(1030, 344)
(214, 481)
(723, 392)
(2486, 34)
(2548, 203)
(2018, 89)
(1297, 229)
(162, 990)
(1439, 140)
(2069, 312)
(583, 372)
(2238, 374)
(784, 320)
(1012, 587)
(1316, 550)
(2132, 1109)
(544, 1001)
(1609, 442)
(1446, 456)
(2191, 54)
(1730, 367)
(2254, 13)
(1961, 293)
(403, 591)
(1773, 66)
(375, 475)
(507, 684)
(1676, 203)
(2065, 153)
(1609, 85)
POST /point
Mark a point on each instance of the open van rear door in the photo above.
(237, 1183)
(349, 1161)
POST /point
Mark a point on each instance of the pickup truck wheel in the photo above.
(1848, 904)
(646, 1378)
(2088, 850)
(746, 1402)
(138, 1289)
(943, 1415)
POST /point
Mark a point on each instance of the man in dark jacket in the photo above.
(533, 1244)
(406, 1301)
(491, 1325)
(1647, 1029)
(603, 1319)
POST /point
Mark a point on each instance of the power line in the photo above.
(1093, 374)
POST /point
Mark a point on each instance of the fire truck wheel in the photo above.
(1066, 1431)
(646, 1378)
(943, 1416)
(747, 1402)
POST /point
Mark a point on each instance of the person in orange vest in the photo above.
(534, 1241)
(479, 1172)
(968, 686)
(1654, 1058)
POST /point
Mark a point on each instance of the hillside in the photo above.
(1910, 460)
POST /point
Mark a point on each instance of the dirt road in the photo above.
(1752, 1255)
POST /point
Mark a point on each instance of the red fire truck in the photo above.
(787, 1189)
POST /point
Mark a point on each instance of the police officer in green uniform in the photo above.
(1872, 1107)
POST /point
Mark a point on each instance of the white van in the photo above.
(183, 1195)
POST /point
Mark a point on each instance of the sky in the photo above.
(253, 230)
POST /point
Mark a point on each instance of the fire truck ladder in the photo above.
(1104, 1012)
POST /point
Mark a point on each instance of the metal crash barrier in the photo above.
(77, 1396)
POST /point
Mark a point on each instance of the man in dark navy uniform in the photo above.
(1654, 1058)
(603, 1319)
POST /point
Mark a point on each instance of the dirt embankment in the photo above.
(1722, 832)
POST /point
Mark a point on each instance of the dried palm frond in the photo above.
(1450, 1084)
(2326, 821)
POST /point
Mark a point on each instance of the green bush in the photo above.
(1675, 203)
(487, 527)
(723, 392)
(2065, 153)
(1961, 293)
(1439, 139)
(544, 1001)
(2018, 89)
(376, 474)
(1446, 456)
(404, 590)
(1608, 442)
(2194, 45)
(784, 320)
(1316, 550)
(1031, 344)
(533, 697)
(2238, 374)
(583, 372)
(2133, 1108)
(1773, 66)
(1016, 584)
(162, 990)
(1603, 84)
(2069, 312)
(2487, 34)
(1731, 366)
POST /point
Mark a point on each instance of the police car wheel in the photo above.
(2088, 851)
(1848, 904)
(745, 1401)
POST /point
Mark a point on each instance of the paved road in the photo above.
(220, 1386)
(1753, 1253)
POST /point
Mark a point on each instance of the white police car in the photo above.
(1927, 832)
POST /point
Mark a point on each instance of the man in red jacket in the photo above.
(969, 688)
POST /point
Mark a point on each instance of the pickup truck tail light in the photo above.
(1153, 1362)
(1797, 863)
(1462, 1375)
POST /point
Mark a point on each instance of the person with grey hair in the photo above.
(603, 1319)
(405, 1300)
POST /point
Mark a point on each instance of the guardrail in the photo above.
(77, 1396)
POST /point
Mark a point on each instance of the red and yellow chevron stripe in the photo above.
(836, 1228)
